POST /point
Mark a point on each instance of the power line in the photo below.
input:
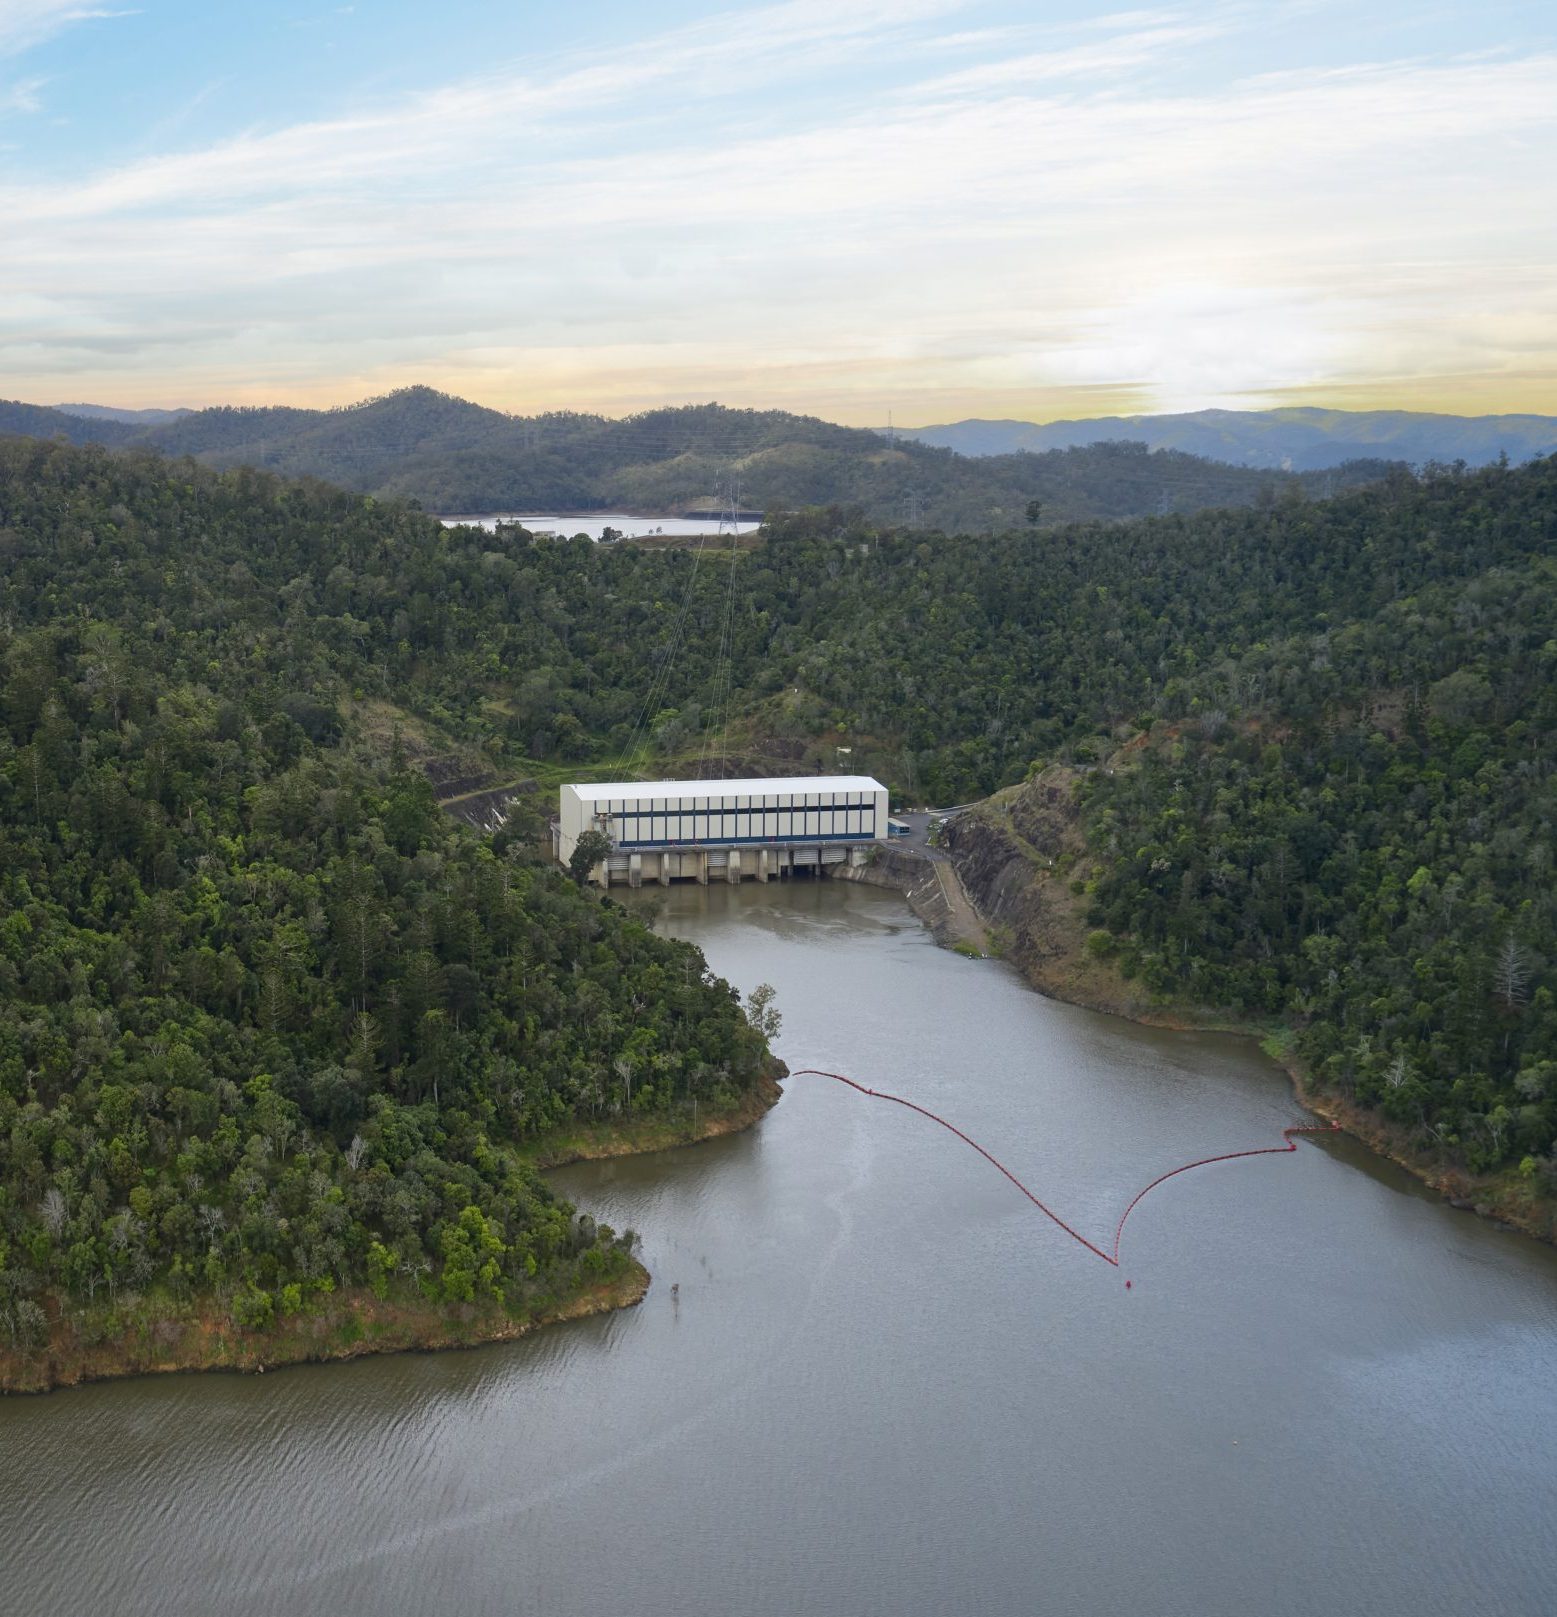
(724, 674)
(661, 679)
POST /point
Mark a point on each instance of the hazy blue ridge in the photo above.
(1290, 439)
(18, 420)
(111, 412)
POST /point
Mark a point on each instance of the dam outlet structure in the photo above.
(723, 830)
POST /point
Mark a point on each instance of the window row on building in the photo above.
(642, 829)
(737, 801)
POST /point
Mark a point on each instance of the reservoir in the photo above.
(886, 1385)
(594, 524)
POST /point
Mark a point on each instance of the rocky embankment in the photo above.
(1015, 856)
(348, 1324)
(930, 885)
(592, 1142)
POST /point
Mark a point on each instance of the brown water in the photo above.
(887, 1385)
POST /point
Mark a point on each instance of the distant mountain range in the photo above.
(109, 412)
(1292, 440)
(458, 458)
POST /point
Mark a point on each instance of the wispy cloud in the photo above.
(1071, 220)
(1080, 62)
(22, 95)
(26, 23)
(452, 124)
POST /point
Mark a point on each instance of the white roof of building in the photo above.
(728, 788)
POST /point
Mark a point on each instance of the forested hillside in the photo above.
(950, 663)
(39, 421)
(270, 1023)
(1354, 830)
(455, 457)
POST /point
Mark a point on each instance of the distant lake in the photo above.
(594, 523)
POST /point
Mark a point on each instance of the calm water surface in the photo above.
(594, 523)
(887, 1385)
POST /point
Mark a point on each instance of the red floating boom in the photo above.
(1108, 1257)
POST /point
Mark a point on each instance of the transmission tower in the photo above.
(730, 504)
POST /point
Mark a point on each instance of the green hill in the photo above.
(39, 421)
(275, 1031)
(454, 457)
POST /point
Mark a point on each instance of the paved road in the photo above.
(919, 829)
(963, 919)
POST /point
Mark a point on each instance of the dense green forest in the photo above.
(271, 1022)
(950, 663)
(455, 457)
(268, 1021)
(1354, 830)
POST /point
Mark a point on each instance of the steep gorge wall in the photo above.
(1014, 856)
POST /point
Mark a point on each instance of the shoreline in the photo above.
(597, 1142)
(1065, 974)
(353, 1323)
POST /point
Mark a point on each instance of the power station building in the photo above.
(665, 830)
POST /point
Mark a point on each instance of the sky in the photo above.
(928, 208)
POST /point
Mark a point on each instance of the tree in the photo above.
(473, 1254)
(54, 1212)
(1511, 973)
(589, 851)
(25, 1323)
(762, 1013)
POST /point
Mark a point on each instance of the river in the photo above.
(886, 1385)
